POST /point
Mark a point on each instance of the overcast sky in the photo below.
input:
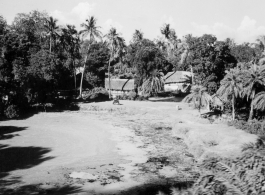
(242, 20)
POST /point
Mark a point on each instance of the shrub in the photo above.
(243, 175)
(139, 98)
(132, 95)
(253, 127)
(12, 111)
(124, 97)
(96, 94)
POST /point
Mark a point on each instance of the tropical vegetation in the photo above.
(39, 58)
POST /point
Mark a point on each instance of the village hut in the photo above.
(177, 81)
(119, 86)
(217, 102)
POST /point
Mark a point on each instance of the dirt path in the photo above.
(104, 148)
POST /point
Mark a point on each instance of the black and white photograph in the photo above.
(132, 97)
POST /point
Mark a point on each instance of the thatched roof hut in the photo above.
(217, 100)
(178, 77)
(120, 84)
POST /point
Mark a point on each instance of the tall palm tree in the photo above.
(70, 43)
(138, 36)
(253, 80)
(185, 48)
(199, 96)
(91, 30)
(117, 46)
(52, 29)
(171, 39)
(231, 86)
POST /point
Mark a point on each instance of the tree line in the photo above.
(38, 57)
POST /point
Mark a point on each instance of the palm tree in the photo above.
(70, 43)
(171, 39)
(52, 28)
(154, 83)
(185, 46)
(116, 45)
(138, 36)
(261, 42)
(160, 42)
(199, 96)
(231, 86)
(253, 80)
(259, 101)
(92, 32)
(165, 30)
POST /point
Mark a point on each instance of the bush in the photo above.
(142, 98)
(96, 94)
(12, 111)
(124, 97)
(132, 95)
(254, 127)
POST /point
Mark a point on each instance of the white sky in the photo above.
(242, 20)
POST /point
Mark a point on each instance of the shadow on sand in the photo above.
(5, 131)
(35, 189)
(155, 189)
(166, 99)
(13, 158)
(17, 158)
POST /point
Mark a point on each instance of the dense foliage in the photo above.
(241, 176)
(39, 58)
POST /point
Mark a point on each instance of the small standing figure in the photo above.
(116, 100)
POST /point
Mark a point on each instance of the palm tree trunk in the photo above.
(200, 104)
(191, 70)
(74, 75)
(81, 83)
(233, 107)
(109, 79)
(109, 72)
(251, 112)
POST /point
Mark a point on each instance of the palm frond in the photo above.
(259, 101)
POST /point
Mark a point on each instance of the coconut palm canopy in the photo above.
(253, 81)
(231, 84)
(259, 101)
(199, 96)
(153, 84)
(90, 30)
(231, 88)
(137, 36)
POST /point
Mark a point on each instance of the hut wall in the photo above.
(115, 93)
(171, 86)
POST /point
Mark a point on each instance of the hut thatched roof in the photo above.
(120, 84)
(217, 101)
(177, 77)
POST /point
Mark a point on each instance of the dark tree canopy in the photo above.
(209, 59)
(244, 53)
(146, 58)
(97, 64)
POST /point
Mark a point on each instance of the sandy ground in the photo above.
(107, 149)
